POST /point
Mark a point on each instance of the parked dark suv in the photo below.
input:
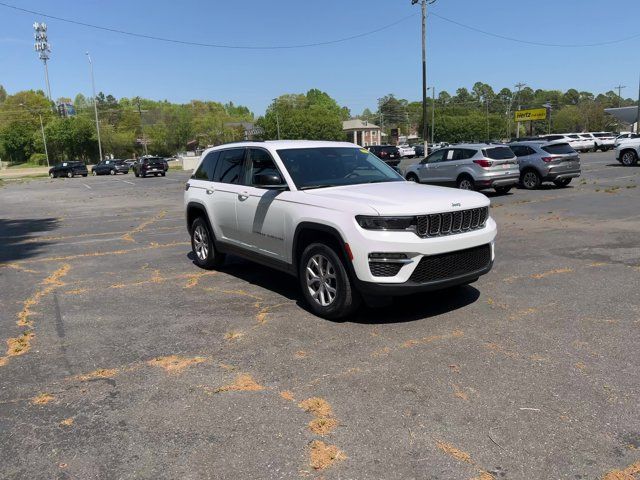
(150, 166)
(110, 167)
(68, 169)
(388, 153)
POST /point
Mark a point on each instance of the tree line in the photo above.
(126, 124)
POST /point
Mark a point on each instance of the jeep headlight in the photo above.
(386, 223)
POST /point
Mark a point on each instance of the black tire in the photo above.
(52, 175)
(412, 177)
(530, 179)
(465, 182)
(112, 172)
(69, 174)
(164, 174)
(204, 249)
(562, 182)
(85, 174)
(346, 299)
(503, 190)
(94, 173)
(629, 158)
(136, 173)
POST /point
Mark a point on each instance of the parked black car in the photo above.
(150, 166)
(130, 163)
(68, 169)
(110, 167)
(387, 153)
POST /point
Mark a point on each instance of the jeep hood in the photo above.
(403, 198)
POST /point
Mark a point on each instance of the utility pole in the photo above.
(44, 138)
(44, 49)
(433, 114)
(519, 86)
(275, 100)
(144, 139)
(638, 114)
(95, 105)
(425, 131)
(619, 88)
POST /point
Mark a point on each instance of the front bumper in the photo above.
(364, 242)
(409, 287)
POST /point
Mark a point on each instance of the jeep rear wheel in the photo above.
(204, 249)
(412, 177)
(325, 283)
(466, 183)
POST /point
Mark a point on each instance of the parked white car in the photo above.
(407, 151)
(604, 140)
(578, 143)
(623, 137)
(628, 152)
(336, 217)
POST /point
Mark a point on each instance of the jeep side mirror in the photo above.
(268, 180)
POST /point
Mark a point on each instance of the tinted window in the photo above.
(261, 163)
(462, 154)
(559, 149)
(207, 168)
(521, 150)
(498, 153)
(437, 156)
(229, 168)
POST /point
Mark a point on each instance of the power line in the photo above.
(209, 45)
(539, 44)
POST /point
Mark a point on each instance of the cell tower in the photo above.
(43, 48)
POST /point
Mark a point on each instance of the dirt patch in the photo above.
(77, 291)
(496, 348)
(454, 452)
(484, 476)
(383, 352)
(67, 422)
(175, 363)
(128, 237)
(231, 336)
(242, 383)
(317, 406)
(301, 354)
(42, 399)
(323, 456)
(459, 393)
(432, 338)
(629, 473)
(581, 366)
(100, 373)
(287, 395)
(322, 426)
(557, 271)
(454, 368)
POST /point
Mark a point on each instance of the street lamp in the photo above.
(44, 138)
(95, 104)
(275, 100)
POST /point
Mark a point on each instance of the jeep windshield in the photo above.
(335, 167)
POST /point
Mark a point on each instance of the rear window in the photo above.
(573, 136)
(389, 149)
(498, 153)
(559, 149)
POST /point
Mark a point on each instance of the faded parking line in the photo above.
(87, 186)
(126, 181)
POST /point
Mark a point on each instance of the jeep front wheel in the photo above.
(205, 252)
(325, 283)
(629, 158)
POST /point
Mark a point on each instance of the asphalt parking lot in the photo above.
(124, 360)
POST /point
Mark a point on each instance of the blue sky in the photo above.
(356, 73)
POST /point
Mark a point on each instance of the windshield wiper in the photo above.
(310, 187)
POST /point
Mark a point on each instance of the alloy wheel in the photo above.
(530, 180)
(628, 158)
(465, 184)
(322, 282)
(201, 243)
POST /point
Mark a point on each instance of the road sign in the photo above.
(529, 115)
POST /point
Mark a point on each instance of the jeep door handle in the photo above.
(209, 191)
(243, 195)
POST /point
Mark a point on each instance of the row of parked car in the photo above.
(142, 167)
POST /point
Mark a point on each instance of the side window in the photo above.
(207, 168)
(436, 157)
(462, 154)
(519, 151)
(229, 168)
(260, 162)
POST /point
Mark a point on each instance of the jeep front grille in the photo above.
(450, 223)
(450, 265)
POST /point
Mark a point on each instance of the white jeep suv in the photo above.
(336, 217)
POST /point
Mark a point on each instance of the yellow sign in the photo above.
(529, 115)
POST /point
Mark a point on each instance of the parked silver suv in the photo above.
(469, 167)
(541, 161)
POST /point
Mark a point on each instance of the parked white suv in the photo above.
(407, 151)
(628, 152)
(336, 217)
